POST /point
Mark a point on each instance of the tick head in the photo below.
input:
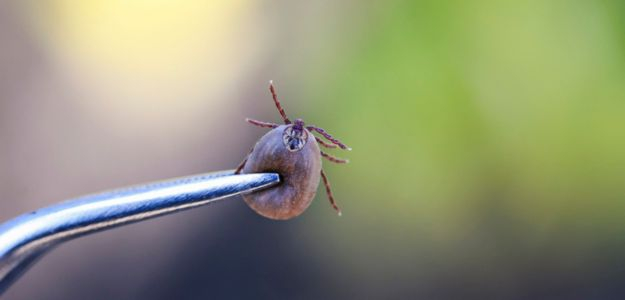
(295, 136)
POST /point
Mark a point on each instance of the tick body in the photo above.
(292, 151)
(299, 170)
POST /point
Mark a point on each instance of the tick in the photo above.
(292, 151)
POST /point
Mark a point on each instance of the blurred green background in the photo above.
(488, 137)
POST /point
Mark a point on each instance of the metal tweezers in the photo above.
(26, 238)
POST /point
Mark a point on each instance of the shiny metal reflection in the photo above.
(26, 238)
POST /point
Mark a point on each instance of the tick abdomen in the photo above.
(299, 170)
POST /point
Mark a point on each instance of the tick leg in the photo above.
(329, 192)
(328, 136)
(277, 102)
(261, 123)
(242, 164)
(333, 158)
(322, 143)
(240, 167)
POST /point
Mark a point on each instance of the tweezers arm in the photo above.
(26, 238)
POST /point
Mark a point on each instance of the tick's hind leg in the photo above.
(261, 123)
(333, 158)
(329, 192)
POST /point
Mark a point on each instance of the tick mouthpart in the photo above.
(298, 125)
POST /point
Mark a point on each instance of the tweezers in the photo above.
(26, 238)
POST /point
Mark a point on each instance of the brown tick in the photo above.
(292, 151)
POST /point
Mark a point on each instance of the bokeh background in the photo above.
(488, 136)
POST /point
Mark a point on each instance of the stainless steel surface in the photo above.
(26, 238)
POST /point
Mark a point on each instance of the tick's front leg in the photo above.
(261, 123)
(242, 164)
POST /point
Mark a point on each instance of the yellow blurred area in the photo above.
(144, 36)
(135, 61)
